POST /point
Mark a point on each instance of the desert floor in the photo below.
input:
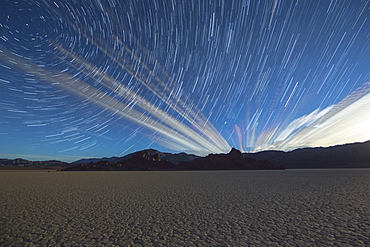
(210, 208)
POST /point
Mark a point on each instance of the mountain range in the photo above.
(153, 160)
(27, 164)
(356, 155)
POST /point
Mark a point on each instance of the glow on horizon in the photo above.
(343, 123)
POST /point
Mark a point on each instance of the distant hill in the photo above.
(89, 160)
(139, 161)
(152, 160)
(173, 158)
(355, 155)
(26, 164)
(234, 160)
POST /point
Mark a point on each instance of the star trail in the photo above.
(106, 78)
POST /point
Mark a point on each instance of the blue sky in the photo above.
(106, 78)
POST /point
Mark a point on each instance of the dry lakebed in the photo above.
(328, 207)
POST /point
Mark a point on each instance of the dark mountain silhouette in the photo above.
(152, 160)
(173, 158)
(26, 164)
(89, 160)
(231, 161)
(146, 160)
(355, 155)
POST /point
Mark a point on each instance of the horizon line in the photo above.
(71, 159)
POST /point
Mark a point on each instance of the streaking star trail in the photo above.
(105, 78)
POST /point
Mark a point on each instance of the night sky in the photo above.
(101, 78)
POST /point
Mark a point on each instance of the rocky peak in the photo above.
(235, 152)
(147, 156)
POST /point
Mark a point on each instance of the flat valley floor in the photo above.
(200, 208)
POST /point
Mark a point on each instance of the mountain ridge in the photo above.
(27, 164)
(153, 160)
(354, 155)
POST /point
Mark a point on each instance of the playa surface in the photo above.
(202, 208)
